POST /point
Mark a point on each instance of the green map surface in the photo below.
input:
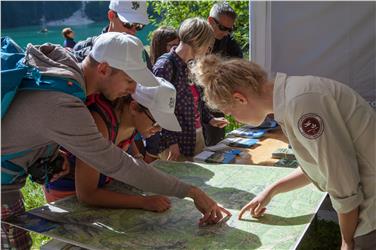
(286, 219)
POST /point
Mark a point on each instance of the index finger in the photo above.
(249, 206)
(224, 210)
(204, 219)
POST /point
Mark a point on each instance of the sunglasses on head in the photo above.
(137, 26)
(146, 111)
(224, 28)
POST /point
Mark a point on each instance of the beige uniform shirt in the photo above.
(332, 131)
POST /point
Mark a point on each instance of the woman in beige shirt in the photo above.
(331, 130)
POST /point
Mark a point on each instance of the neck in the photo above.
(268, 92)
(185, 52)
(89, 77)
(111, 27)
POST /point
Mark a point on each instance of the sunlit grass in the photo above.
(34, 197)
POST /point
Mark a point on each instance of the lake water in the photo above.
(32, 34)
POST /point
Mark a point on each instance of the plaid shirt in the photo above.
(184, 109)
(13, 237)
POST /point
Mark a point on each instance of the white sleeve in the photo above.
(325, 140)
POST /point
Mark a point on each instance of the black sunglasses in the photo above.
(224, 28)
(137, 26)
(146, 111)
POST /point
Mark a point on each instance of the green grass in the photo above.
(321, 235)
(34, 197)
(232, 125)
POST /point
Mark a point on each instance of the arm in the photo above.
(152, 148)
(347, 223)
(70, 124)
(295, 180)
(86, 180)
(135, 152)
(88, 192)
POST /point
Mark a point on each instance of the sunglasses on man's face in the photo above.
(137, 26)
(224, 28)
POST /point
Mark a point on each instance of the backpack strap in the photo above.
(35, 81)
(103, 107)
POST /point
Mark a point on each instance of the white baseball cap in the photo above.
(160, 100)
(125, 52)
(130, 11)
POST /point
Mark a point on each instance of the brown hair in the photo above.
(66, 31)
(159, 40)
(221, 78)
(121, 102)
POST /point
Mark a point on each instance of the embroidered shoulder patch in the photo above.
(311, 126)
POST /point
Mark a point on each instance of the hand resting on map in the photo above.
(211, 210)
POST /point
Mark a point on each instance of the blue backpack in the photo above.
(17, 76)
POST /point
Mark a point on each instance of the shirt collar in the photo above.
(177, 58)
(279, 97)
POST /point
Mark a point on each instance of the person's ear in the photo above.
(210, 20)
(111, 15)
(104, 69)
(240, 98)
(133, 107)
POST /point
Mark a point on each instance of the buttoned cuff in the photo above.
(347, 204)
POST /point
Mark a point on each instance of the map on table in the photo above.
(287, 217)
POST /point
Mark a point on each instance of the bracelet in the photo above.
(138, 156)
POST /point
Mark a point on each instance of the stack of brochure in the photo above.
(240, 142)
(247, 131)
(224, 157)
(286, 153)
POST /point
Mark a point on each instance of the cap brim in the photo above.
(143, 77)
(167, 121)
(133, 18)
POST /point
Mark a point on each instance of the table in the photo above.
(285, 222)
(261, 154)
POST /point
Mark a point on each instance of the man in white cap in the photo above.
(123, 16)
(127, 16)
(38, 122)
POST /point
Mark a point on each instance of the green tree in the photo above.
(172, 13)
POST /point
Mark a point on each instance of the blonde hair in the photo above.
(197, 33)
(221, 78)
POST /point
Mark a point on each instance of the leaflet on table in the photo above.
(225, 157)
(240, 142)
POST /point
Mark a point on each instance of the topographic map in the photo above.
(286, 219)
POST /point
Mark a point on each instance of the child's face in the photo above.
(247, 108)
(144, 121)
(171, 44)
(71, 35)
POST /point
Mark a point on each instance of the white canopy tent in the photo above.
(330, 39)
